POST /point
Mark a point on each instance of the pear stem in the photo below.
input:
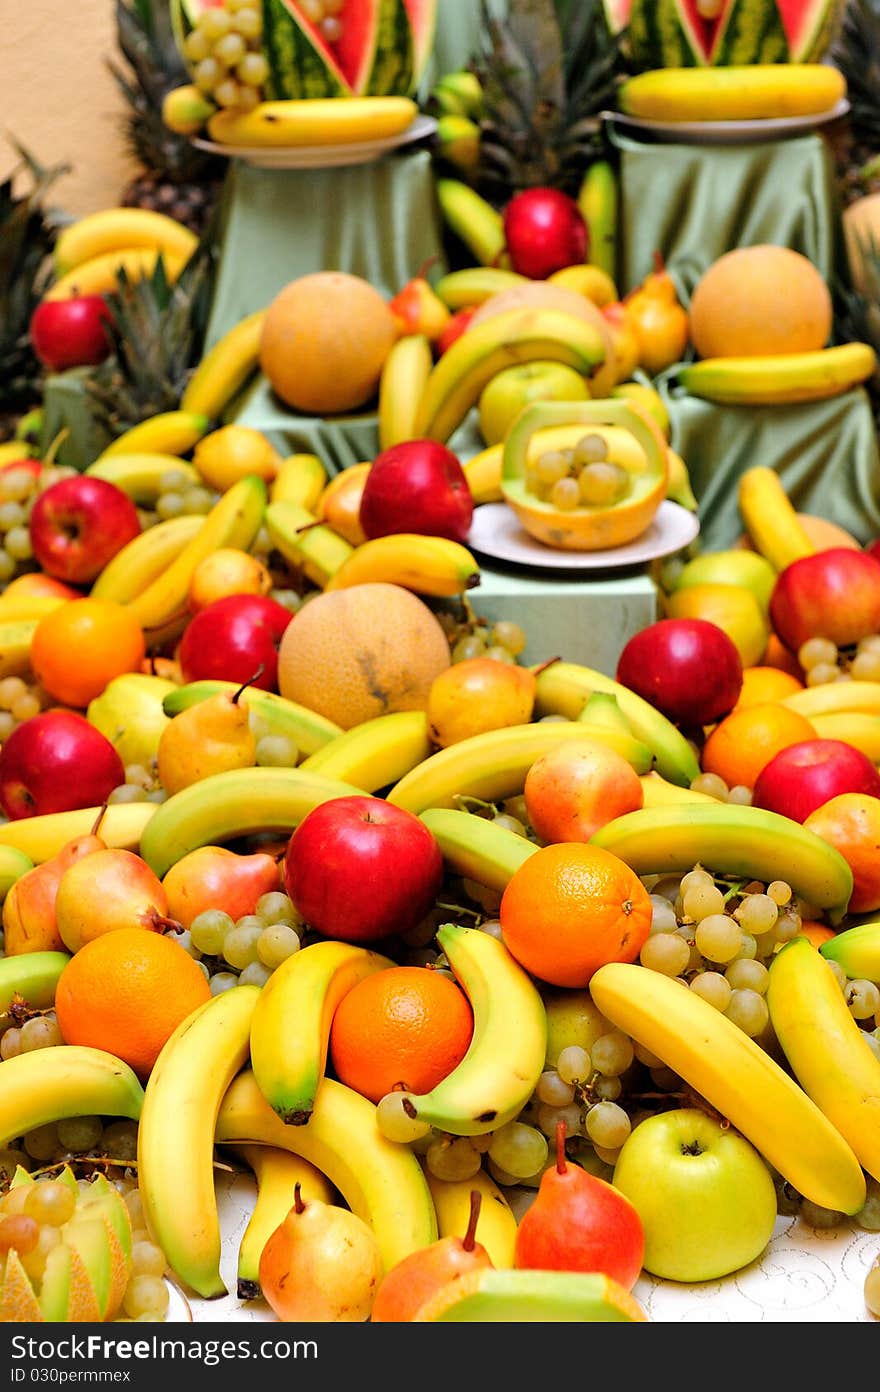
(422, 272)
(470, 1236)
(160, 923)
(298, 1204)
(561, 1163)
(542, 666)
(99, 819)
(659, 263)
(244, 686)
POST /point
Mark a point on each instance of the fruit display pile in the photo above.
(505, 980)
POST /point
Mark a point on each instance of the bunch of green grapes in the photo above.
(225, 54)
(582, 476)
(823, 661)
(248, 949)
(20, 698)
(178, 496)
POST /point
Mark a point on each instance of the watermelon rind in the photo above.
(423, 23)
(391, 72)
(672, 34)
(810, 27)
(298, 69)
(750, 33)
(375, 57)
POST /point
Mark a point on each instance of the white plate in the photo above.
(496, 531)
(729, 132)
(321, 156)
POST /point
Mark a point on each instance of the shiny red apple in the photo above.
(54, 762)
(544, 230)
(417, 486)
(78, 524)
(360, 869)
(231, 638)
(808, 774)
(689, 669)
(70, 333)
(832, 594)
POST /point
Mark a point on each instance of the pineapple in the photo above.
(856, 141)
(178, 178)
(546, 72)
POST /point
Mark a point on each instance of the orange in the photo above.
(78, 648)
(778, 655)
(816, 933)
(761, 684)
(851, 823)
(569, 909)
(404, 1027)
(744, 741)
(126, 992)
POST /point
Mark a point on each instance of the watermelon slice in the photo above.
(704, 33)
(422, 16)
(373, 56)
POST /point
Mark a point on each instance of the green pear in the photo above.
(734, 566)
(129, 712)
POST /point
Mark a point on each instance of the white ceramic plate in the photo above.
(496, 532)
(321, 156)
(728, 132)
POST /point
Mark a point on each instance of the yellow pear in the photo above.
(210, 737)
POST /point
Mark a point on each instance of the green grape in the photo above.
(254, 974)
(509, 635)
(712, 784)
(612, 1053)
(79, 1134)
(10, 1043)
(276, 943)
(147, 1295)
(395, 1122)
(240, 943)
(276, 907)
(147, 1259)
(208, 930)
(120, 1140)
(718, 937)
(40, 1032)
(590, 449)
(50, 1201)
(666, 953)
(573, 1064)
(863, 998)
(713, 987)
(748, 1010)
(252, 70)
(552, 1090)
(702, 901)
(230, 49)
(467, 647)
(222, 981)
(519, 1149)
(452, 1157)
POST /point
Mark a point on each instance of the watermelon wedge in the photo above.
(704, 33)
(381, 44)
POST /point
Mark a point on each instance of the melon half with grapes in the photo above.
(584, 476)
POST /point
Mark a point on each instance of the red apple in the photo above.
(70, 333)
(832, 594)
(455, 327)
(359, 869)
(54, 762)
(417, 486)
(544, 230)
(231, 638)
(808, 774)
(687, 668)
(78, 524)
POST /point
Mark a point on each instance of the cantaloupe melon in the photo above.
(358, 653)
(760, 300)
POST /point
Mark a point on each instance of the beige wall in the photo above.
(59, 100)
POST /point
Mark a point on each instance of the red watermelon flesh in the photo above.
(422, 16)
(352, 56)
(801, 21)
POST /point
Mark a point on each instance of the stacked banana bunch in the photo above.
(92, 250)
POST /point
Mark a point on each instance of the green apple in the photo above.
(734, 566)
(704, 1194)
(505, 394)
(129, 712)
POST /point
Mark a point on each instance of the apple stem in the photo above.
(298, 1204)
(561, 1163)
(470, 1236)
(244, 686)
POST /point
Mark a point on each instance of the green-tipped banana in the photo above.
(458, 141)
(141, 475)
(290, 1030)
(240, 802)
(473, 220)
(144, 558)
(30, 977)
(64, 1080)
(13, 864)
(514, 1296)
(746, 841)
(857, 950)
(563, 687)
(305, 543)
(473, 285)
(176, 1134)
(459, 93)
(598, 199)
(380, 1180)
(274, 714)
(493, 765)
(376, 753)
(497, 1075)
(277, 1173)
(477, 848)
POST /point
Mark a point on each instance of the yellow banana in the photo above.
(310, 546)
(225, 368)
(473, 285)
(770, 519)
(861, 729)
(16, 636)
(30, 977)
(827, 1051)
(496, 1224)
(300, 479)
(64, 1080)
(477, 848)
(13, 864)
(404, 373)
(598, 199)
(274, 714)
(16, 606)
(380, 1180)
(483, 473)
(234, 520)
(493, 765)
(660, 793)
(277, 1173)
(112, 229)
(505, 1059)
(587, 279)
(143, 559)
(239, 802)
(291, 1025)
(176, 1134)
(835, 698)
(780, 379)
(473, 219)
(169, 432)
(40, 838)
(427, 565)
(13, 451)
(142, 474)
(98, 276)
(739, 92)
(516, 335)
(376, 753)
(563, 687)
(857, 951)
(317, 121)
(736, 1076)
(744, 841)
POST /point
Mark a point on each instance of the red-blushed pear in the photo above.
(110, 888)
(29, 921)
(804, 776)
(360, 869)
(454, 328)
(71, 333)
(78, 524)
(544, 231)
(417, 308)
(55, 762)
(216, 877)
(406, 1286)
(321, 1265)
(231, 638)
(417, 486)
(578, 1222)
(689, 669)
(832, 594)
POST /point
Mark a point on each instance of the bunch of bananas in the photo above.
(91, 250)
